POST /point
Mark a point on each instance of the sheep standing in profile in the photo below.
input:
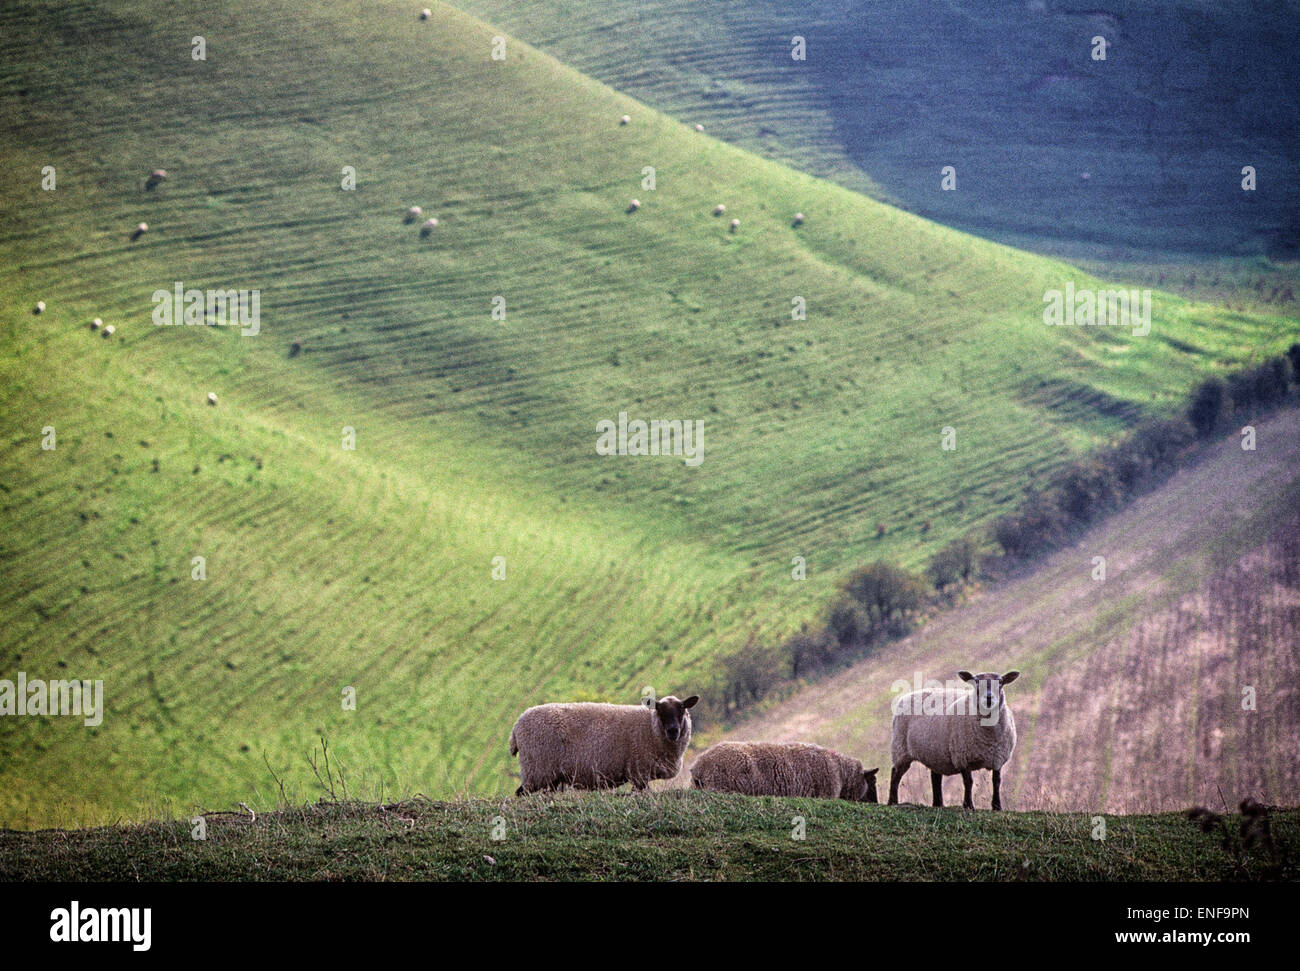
(140, 230)
(414, 213)
(794, 769)
(597, 746)
(156, 177)
(953, 731)
(429, 226)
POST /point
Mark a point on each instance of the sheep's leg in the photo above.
(967, 803)
(519, 792)
(997, 785)
(936, 785)
(895, 777)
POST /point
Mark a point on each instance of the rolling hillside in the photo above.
(1170, 683)
(372, 568)
(1053, 149)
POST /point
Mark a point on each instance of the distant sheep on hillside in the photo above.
(414, 213)
(429, 226)
(140, 230)
(426, 13)
(798, 219)
(96, 324)
(212, 398)
(719, 209)
(40, 307)
(625, 120)
(597, 746)
(109, 330)
(155, 177)
(699, 128)
(634, 205)
(735, 224)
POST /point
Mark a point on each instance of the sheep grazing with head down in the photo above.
(140, 230)
(597, 746)
(429, 226)
(719, 209)
(634, 205)
(735, 224)
(798, 219)
(793, 769)
(40, 307)
(155, 177)
(109, 330)
(952, 731)
(414, 213)
(426, 13)
(625, 120)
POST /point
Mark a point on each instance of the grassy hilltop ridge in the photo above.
(371, 568)
(664, 836)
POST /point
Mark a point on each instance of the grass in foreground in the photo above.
(669, 835)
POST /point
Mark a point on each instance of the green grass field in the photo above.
(372, 568)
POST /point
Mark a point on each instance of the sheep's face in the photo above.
(989, 696)
(670, 713)
(867, 791)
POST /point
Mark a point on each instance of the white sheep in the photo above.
(156, 176)
(597, 746)
(109, 331)
(429, 226)
(40, 307)
(414, 213)
(719, 209)
(212, 398)
(140, 230)
(699, 128)
(953, 731)
(798, 219)
(735, 224)
(625, 120)
(634, 205)
(791, 769)
(96, 324)
(426, 13)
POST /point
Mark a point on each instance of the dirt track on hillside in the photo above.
(1131, 687)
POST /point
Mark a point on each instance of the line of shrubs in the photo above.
(880, 602)
(1087, 489)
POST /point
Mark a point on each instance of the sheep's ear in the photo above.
(690, 702)
(870, 773)
(1010, 676)
(965, 675)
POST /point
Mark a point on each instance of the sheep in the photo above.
(599, 746)
(109, 331)
(140, 230)
(96, 324)
(798, 219)
(40, 307)
(634, 205)
(625, 120)
(429, 226)
(699, 128)
(794, 769)
(952, 731)
(414, 213)
(719, 209)
(426, 13)
(212, 398)
(155, 177)
(735, 224)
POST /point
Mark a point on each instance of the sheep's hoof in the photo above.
(519, 791)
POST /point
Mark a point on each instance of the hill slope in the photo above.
(1170, 682)
(371, 569)
(1007, 93)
